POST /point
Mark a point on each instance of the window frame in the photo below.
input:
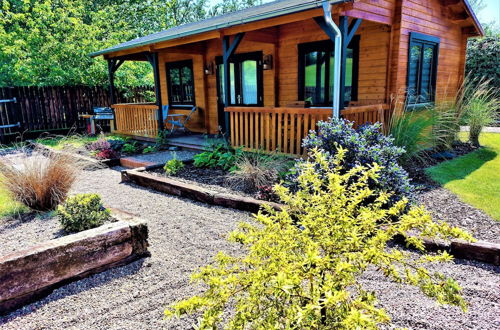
(237, 59)
(328, 45)
(435, 42)
(179, 65)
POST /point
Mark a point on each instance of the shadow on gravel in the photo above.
(73, 288)
(488, 267)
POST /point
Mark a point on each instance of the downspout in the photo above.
(327, 14)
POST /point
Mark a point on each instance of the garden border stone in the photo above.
(33, 273)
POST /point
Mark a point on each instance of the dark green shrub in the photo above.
(364, 147)
(82, 212)
(129, 148)
(483, 59)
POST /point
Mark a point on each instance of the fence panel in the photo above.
(57, 108)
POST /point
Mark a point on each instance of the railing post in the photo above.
(153, 60)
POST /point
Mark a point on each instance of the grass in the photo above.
(8, 206)
(59, 143)
(475, 177)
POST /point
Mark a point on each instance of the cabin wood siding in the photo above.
(427, 17)
(383, 56)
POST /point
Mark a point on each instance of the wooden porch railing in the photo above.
(139, 120)
(367, 114)
(282, 129)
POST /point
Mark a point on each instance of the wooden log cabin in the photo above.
(266, 75)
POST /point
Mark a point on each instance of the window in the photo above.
(245, 73)
(316, 63)
(422, 68)
(180, 83)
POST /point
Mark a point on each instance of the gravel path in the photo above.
(445, 205)
(185, 235)
(164, 156)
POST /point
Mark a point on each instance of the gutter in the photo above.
(327, 14)
(306, 5)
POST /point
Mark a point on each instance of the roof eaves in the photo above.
(477, 24)
(305, 6)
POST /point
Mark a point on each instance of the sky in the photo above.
(491, 13)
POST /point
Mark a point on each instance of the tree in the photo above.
(47, 42)
(301, 266)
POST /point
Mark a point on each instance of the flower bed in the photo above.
(33, 272)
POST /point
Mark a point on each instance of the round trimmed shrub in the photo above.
(364, 147)
(82, 212)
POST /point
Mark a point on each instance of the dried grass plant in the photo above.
(257, 169)
(39, 181)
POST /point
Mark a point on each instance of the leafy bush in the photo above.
(303, 264)
(219, 155)
(129, 148)
(173, 166)
(481, 106)
(99, 145)
(267, 193)
(483, 59)
(106, 154)
(149, 149)
(39, 182)
(255, 169)
(82, 212)
(365, 146)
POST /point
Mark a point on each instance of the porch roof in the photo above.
(252, 14)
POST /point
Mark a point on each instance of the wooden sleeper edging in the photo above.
(35, 272)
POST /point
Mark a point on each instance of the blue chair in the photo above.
(177, 119)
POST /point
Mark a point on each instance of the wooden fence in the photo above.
(137, 120)
(283, 129)
(53, 109)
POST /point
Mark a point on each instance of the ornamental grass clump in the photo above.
(303, 264)
(40, 182)
(364, 146)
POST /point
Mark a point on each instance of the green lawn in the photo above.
(475, 177)
(75, 141)
(7, 205)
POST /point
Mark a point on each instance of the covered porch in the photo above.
(286, 93)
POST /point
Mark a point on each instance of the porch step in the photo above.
(188, 146)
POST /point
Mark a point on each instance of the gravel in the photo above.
(185, 235)
(22, 231)
(163, 156)
(444, 205)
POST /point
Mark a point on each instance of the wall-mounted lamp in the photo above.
(209, 69)
(267, 62)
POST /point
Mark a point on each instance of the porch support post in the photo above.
(153, 60)
(347, 35)
(113, 65)
(228, 51)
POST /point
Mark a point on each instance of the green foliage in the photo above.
(47, 42)
(483, 59)
(412, 130)
(173, 166)
(82, 212)
(220, 155)
(150, 149)
(481, 108)
(129, 148)
(303, 264)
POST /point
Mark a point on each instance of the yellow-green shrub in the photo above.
(82, 212)
(303, 263)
